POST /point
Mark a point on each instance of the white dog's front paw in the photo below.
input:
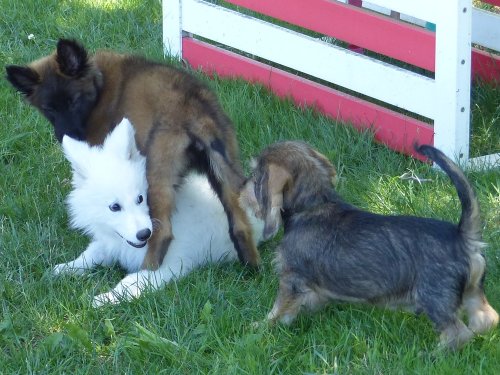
(109, 298)
(66, 268)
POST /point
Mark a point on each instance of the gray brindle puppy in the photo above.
(333, 250)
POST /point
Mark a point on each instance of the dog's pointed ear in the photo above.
(248, 198)
(72, 58)
(23, 78)
(326, 165)
(121, 141)
(77, 153)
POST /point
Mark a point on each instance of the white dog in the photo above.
(108, 203)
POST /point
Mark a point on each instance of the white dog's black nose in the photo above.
(143, 234)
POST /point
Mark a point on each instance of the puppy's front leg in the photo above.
(161, 206)
(165, 162)
(92, 257)
(294, 294)
(130, 287)
(286, 307)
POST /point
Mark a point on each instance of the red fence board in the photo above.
(375, 32)
(485, 66)
(397, 131)
(408, 43)
(492, 2)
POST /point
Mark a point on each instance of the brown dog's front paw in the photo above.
(155, 254)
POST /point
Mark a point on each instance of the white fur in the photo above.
(115, 172)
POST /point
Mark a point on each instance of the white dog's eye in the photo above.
(115, 207)
(140, 199)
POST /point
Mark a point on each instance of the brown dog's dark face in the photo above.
(63, 86)
(283, 170)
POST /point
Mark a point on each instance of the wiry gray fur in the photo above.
(333, 250)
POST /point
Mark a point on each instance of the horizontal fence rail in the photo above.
(225, 41)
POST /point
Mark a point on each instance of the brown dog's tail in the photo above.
(470, 223)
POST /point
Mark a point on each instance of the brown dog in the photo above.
(178, 120)
(332, 250)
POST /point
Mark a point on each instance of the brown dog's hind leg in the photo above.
(239, 226)
(226, 178)
(165, 163)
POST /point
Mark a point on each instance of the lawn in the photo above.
(203, 323)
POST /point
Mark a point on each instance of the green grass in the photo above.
(203, 323)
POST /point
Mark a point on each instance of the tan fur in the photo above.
(276, 185)
(171, 111)
(455, 336)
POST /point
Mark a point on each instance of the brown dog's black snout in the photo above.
(143, 234)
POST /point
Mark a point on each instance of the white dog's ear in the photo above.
(121, 141)
(77, 153)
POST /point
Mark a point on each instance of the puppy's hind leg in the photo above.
(482, 317)
(441, 307)
(239, 225)
(226, 178)
(455, 334)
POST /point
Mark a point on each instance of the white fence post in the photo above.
(172, 27)
(453, 67)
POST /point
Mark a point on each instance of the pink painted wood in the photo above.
(492, 2)
(411, 44)
(397, 131)
(378, 33)
(485, 66)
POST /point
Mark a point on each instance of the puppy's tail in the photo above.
(470, 223)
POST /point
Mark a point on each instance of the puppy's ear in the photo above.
(248, 199)
(77, 153)
(23, 78)
(72, 58)
(121, 141)
(272, 192)
(326, 165)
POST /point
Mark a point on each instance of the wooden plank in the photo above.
(487, 71)
(172, 29)
(423, 9)
(486, 29)
(492, 2)
(334, 64)
(358, 26)
(486, 66)
(397, 131)
(484, 162)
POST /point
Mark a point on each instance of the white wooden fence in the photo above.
(444, 99)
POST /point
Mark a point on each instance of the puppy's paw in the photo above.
(261, 324)
(66, 269)
(109, 298)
